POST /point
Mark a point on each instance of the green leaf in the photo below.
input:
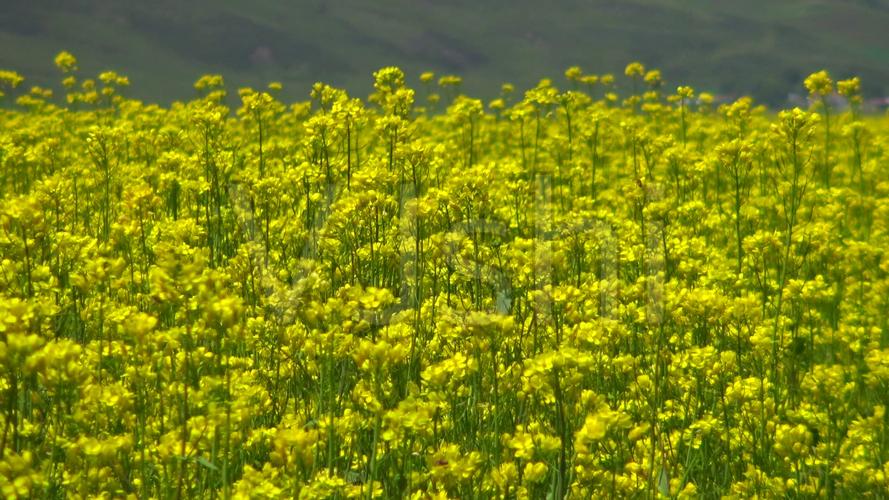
(208, 464)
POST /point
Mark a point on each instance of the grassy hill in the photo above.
(758, 47)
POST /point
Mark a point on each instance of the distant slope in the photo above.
(759, 47)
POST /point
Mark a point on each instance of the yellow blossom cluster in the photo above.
(616, 290)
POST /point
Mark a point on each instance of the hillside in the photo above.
(757, 47)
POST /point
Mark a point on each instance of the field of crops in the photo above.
(614, 288)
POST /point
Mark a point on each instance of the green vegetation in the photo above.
(552, 295)
(756, 47)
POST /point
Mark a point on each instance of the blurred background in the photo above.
(763, 48)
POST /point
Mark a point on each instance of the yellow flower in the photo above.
(10, 79)
(450, 81)
(534, 472)
(634, 69)
(574, 73)
(819, 84)
(66, 62)
(652, 78)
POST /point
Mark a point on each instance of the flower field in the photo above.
(613, 288)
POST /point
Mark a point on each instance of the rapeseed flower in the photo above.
(546, 294)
